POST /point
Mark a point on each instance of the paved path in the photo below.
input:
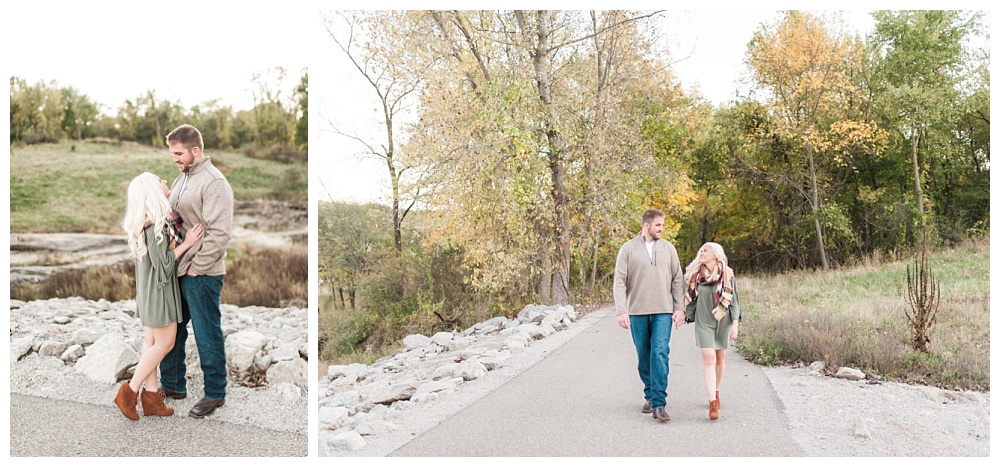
(50, 427)
(584, 400)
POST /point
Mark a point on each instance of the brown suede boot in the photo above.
(126, 400)
(713, 410)
(717, 399)
(152, 404)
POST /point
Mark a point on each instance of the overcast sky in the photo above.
(185, 51)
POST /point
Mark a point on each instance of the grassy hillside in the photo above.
(856, 317)
(80, 187)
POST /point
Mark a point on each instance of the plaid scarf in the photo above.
(722, 276)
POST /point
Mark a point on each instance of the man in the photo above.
(649, 294)
(200, 194)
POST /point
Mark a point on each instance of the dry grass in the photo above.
(274, 278)
(269, 277)
(112, 283)
(855, 317)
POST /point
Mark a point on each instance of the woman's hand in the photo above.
(735, 332)
(193, 235)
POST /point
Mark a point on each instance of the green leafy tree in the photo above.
(921, 56)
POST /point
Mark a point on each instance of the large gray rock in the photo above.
(242, 348)
(290, 371)
(387, 393)
(351, 372)
(349, 440)
(416, 341)
(375, 427)
(432, 387)
(285, 352)
(20, 347)
(332, 417)
(442, 338)
(850, 373)
(445, 371)
(469, 371)
(52, 348)
(72, 354)
(533, 330)
(343, 399)
(107, 359)
(83, 336)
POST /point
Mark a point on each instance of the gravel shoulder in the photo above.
(827, 416)
(837, 417)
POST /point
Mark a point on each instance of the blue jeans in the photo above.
(651, 336)
(200, 300)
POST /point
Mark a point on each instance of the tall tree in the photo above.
(801, 64)
(377, 44)
(922, 52)
(528, 125)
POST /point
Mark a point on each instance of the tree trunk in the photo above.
(397, 234)
(815, 208)
(916, 171)
(593, 268)
(560, 232)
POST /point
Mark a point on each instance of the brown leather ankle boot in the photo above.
(152, 404)
(126, 400)
(713, 410)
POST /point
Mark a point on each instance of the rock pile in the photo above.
(102, 340)
(359, 400)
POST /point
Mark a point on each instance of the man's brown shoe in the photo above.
(660, 414)
(713, 410)
(647, 407)
(173, 395)
(205, 407)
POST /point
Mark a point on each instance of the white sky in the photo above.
(116, 50)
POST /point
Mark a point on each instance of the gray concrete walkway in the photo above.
(584, 400)
(50, 427)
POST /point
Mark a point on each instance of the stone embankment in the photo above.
(102, 340)
(359, 401)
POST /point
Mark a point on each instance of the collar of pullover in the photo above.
(199, 166)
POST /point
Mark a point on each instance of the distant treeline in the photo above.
(275, 128)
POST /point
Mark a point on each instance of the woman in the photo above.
(158, 299)
(713, 304)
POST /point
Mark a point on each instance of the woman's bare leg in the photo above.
(160, 341)
(720, 368)
(708, 368)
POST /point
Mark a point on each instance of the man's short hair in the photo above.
(650, 215)
(187, 135)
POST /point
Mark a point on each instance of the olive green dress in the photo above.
(709, 333)
(158, 296)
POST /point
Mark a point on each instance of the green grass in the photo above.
(80, 186)
(856, 317)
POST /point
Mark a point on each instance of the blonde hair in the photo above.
(146, 204)
(720, 255)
